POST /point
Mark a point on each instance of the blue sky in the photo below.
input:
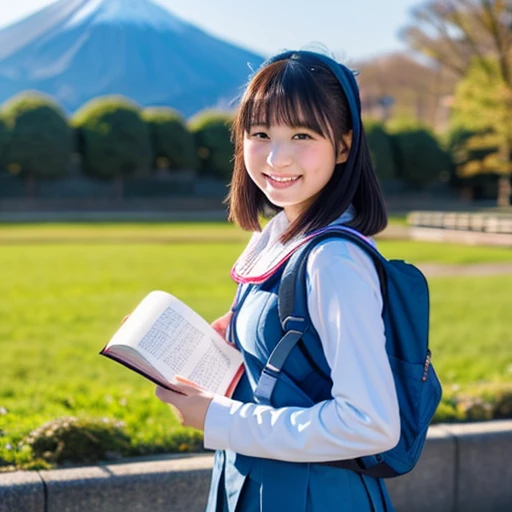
(352, 29)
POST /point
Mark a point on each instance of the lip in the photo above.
(281, 181)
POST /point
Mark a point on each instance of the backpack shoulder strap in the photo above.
(292, 305)
(292, 302)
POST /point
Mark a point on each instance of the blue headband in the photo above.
(348, 84)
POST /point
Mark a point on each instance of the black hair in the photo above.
(310, 90)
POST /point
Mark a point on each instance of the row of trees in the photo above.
(115, 139)
(112, 135)
(473, 40)
(408, 152)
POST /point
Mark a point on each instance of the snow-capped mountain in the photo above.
(75, 50)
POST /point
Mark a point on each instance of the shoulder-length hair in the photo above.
(301, 91)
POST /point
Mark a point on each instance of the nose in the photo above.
(279, 156)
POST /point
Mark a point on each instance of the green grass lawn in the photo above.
(61, 302)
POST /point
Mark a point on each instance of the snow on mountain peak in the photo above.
(76, 50)
(139, 12)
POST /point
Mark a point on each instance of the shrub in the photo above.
(481, 402)
(173, 440)
(212, 133)
(72, 440)
(474, 409)
(112, 138)
(381, 150)
(447, 413)
(419, 157)
(39, 139)
(502, 404)
(170, 138)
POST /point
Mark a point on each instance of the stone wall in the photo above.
(464, 468)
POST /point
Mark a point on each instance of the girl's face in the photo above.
(289, 165)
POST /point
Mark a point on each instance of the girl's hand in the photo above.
(222, 323)
(191, 406)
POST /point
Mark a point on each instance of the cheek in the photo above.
(250, 155)
(321, 164)
(255, 157)
(250, 163)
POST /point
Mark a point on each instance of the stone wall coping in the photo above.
(463, 468)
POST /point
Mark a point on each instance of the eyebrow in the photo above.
(303, 125)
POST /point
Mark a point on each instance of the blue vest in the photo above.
(250, 484)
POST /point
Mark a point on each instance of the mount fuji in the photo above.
(75, 50)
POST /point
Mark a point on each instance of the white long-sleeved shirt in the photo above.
(362, 418)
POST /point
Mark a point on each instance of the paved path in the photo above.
(394, 232)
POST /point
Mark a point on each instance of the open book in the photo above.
(163, 337)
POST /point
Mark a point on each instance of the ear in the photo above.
(346, 144)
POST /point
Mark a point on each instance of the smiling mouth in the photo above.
(282, 179)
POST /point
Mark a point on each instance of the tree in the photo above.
(419, 158)
(458, 33)
(38, 138)
(112, 138)
(212, 132)
(3, 140)
(484, 106)
(416, 89)
(381, 150)
(475, 157)
(171, 140)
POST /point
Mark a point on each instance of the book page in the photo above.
(172, 340)
(175, 340)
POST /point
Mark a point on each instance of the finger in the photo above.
(187, 387)
(166, 395)
(185, 381)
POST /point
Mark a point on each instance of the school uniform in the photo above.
(269, 457)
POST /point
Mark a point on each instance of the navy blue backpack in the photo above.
(406, 321)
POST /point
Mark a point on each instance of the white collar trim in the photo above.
(265, 253)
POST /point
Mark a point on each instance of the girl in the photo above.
(301, 152)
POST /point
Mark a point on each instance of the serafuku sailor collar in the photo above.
(265, 253)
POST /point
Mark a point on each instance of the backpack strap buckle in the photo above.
(294, 323)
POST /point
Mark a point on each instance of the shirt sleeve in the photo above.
(362, 417)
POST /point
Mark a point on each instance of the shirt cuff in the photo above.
(216, 422)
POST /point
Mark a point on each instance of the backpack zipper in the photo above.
(426, 366)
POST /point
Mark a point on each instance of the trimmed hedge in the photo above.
(170, 138)
(381, 150)
(112, 138)
(212, 132)
(37, 140)
(3, 141)
(419, 157)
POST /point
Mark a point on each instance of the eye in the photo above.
(302, 136)
(258, 135)
(257, 132)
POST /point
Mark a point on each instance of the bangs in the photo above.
(285, 94)
(301, 89)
